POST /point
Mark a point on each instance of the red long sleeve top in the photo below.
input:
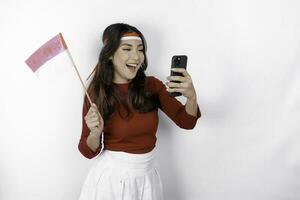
(138, 133)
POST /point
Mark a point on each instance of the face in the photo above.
(127, 60)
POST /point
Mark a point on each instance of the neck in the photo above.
(121, 81)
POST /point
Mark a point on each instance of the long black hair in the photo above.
(101, 88)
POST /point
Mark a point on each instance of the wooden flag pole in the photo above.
(88, 96)
(67, 49)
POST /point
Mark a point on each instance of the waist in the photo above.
(144, 161)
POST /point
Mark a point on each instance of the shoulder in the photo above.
(154, 83)
(153, 80)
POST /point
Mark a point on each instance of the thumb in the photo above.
(96, 108)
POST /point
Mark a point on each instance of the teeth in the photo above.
(132, 65)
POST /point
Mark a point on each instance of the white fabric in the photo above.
(131, 38)
(123, 176)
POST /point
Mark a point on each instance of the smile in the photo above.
(132, 66)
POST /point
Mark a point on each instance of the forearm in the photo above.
(191, 106)
(93, 141)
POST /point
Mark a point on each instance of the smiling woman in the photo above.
(125, 115)
(128, 58)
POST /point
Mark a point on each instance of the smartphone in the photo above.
(178, 61)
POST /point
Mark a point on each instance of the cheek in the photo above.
(123, 56)
(142, 58)
(120, 60)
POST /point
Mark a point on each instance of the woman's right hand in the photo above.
(94, 120)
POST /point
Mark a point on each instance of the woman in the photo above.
(124, 117)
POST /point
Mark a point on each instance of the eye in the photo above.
(141, 50)
(126, 49)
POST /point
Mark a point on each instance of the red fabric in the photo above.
(137, 134)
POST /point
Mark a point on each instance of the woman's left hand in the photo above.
(185, 87)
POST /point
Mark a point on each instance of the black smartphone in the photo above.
(178, 61)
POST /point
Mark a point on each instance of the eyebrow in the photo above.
(130, 44)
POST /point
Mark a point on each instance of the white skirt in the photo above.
(119, 175)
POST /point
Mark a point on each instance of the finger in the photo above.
(96, 110)
(92, 120)
(95, 118)
(185, 73)
(91, 124)
(94, 124)
(181, 70)
(91, 112)
(176, 78)
(176, 90)
(98, 116)
(101, 119)
(94, 129)
(94, 107)
(173, 85)
(90, 116)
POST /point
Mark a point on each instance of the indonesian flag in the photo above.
(46, 52)
(49, 50)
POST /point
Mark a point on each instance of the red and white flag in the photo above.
(47, 51)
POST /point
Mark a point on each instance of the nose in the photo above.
(135, 55)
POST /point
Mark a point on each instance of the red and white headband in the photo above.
(131, 36)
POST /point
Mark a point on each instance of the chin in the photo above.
(131, 77)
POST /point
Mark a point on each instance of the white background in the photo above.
(244, 61)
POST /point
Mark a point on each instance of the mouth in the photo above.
(132, 67)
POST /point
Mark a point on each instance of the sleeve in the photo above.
(174, 108)
(82, 146)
